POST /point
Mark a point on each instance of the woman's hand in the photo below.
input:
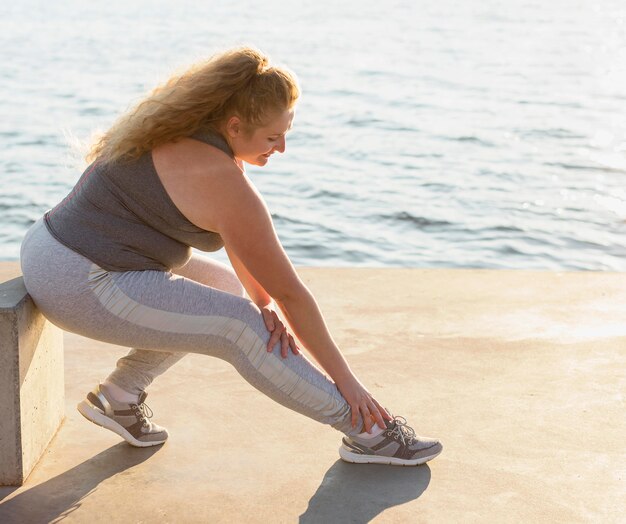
(361, 401)
(279, 332)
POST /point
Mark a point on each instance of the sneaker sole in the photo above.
(100, 419)
(355, 458)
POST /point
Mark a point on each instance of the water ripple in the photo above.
(420, 222)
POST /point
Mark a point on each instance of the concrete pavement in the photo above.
(522, 375)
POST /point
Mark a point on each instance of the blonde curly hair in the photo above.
(240, 81)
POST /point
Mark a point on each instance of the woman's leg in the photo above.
(161, 311)
(135, 371)
(175, 314)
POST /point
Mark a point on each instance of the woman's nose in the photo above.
(280, 147)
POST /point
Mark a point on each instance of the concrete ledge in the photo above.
(31, 383)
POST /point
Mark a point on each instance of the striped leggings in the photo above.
(199, 308)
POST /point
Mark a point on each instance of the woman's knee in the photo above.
(232, 284)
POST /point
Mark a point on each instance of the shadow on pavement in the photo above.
(5, 491)
(56, 498)
(357, 493)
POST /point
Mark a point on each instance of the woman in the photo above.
(113, 261)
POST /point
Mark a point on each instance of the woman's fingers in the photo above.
(268, 319)
(367, 420)
(278, 332)
(384, 413)
(284, 347)
(279, 328)
(275, 337)
(372, 413)
(365, 414)
(361, 402)
(294, 347)
(378, 417)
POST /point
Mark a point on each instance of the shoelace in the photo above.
(403, 430)
(145, 411)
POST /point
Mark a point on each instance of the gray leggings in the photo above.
(162, 315)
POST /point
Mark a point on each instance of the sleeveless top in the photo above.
(119, 216)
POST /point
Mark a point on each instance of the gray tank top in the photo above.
(120, 217)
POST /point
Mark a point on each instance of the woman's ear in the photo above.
(233, 126)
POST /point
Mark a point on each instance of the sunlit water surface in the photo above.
(480, 134)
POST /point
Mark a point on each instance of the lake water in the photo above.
(473, 133)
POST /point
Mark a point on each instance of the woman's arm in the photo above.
(251, 241)
(255, 291)
(239, 214)
(261, 298)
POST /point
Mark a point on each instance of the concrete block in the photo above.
(31, 383)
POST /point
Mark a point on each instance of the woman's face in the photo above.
(257, 147)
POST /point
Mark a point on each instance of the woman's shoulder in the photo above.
(197, 177)
(188, 158)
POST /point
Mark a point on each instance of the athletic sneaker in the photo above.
(129, 421)
(397, 445)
